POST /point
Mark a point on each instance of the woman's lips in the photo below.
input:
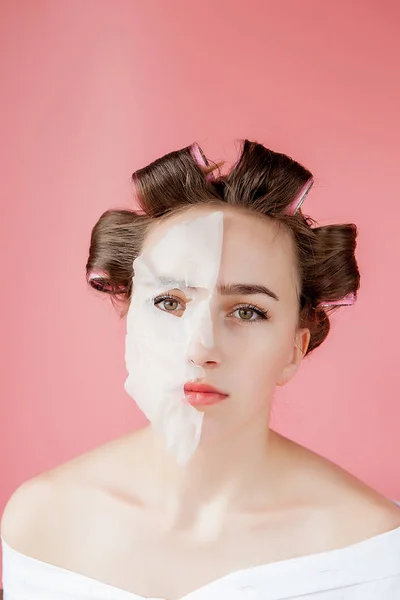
(202, 394)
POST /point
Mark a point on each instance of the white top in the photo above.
(367, 570)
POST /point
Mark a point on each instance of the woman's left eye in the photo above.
(250, 313)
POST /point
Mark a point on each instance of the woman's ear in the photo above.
(300, 345)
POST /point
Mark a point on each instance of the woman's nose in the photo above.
(203, 347)
(204, 356)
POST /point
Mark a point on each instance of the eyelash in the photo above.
(263, 314)
(158, 299)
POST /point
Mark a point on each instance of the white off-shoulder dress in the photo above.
(367, 570)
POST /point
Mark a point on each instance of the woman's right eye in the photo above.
(169, 304)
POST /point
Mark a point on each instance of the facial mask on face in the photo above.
(157, 351)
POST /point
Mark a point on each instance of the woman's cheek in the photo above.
(274, 349)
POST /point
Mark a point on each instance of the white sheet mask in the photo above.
(157, 351)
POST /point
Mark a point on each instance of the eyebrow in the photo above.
(225, 289)
(245, 289)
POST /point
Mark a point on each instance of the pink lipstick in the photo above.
(202, 394)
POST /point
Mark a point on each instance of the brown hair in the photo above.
(261, 181)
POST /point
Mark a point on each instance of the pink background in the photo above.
(93, 90)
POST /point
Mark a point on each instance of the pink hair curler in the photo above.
(348, 300)
(99, 281)
(299, 199)
(200, 159)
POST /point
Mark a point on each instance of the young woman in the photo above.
(226, 287)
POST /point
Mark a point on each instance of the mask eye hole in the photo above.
(169, 304)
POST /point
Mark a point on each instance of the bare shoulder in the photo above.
(54, 505)
(346, 508)
(25, 510)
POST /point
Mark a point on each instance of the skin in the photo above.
(250, 355)
(125, 511)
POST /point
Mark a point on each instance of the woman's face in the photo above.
(244, 339)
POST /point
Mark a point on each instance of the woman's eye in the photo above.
(246, 313)
(168, 304)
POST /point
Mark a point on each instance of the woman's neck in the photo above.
(234, 475)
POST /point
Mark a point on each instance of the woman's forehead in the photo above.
(243, 247)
